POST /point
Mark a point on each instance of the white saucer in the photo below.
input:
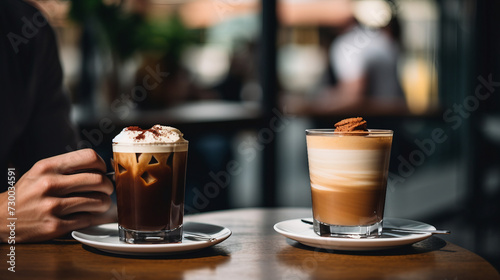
(303, 233)
(105, 238)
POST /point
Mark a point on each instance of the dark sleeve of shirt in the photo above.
(34, 110)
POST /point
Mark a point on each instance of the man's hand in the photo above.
(58, 195)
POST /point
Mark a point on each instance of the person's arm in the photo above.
(58, 195)
(345, 95)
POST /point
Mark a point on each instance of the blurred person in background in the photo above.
(55, 192)
(363, 61)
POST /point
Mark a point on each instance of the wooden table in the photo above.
(254, 251)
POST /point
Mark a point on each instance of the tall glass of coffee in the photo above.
(348, 172)
(150, 171)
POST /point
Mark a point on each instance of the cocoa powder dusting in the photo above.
(143, 132)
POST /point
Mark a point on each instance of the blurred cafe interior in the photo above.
(243, 79)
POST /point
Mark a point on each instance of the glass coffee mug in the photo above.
(348, 173)
(150, 183)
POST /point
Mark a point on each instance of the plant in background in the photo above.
(129, 31)
(126, 31)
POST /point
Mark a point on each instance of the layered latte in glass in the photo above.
(348, 172)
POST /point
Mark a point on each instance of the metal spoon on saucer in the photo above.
(197, 236)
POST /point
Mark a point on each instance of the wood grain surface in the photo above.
(254, 251)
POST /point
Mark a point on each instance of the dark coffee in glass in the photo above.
(150, 182)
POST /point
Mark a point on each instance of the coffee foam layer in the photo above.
(338, 142)
(155, 135)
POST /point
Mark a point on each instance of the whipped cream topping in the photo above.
(155, 135)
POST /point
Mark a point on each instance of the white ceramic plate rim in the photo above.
(112, 244)
(307, 236)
